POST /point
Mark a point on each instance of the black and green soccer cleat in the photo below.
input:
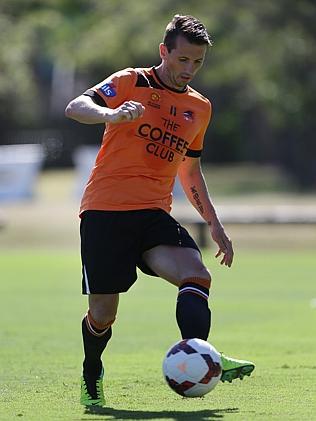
(235, 369)
(92, 391)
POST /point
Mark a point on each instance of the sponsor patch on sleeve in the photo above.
(108, 89)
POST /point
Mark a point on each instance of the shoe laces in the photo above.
(94, 388)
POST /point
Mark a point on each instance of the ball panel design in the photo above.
(181, 346)
(214, 369)
(179, 388)
(196, 367)
(192, 367)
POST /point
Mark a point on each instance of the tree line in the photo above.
(259, 74)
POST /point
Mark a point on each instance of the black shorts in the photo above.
(112, 244)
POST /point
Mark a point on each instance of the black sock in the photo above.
(192, 313)
(94, 344)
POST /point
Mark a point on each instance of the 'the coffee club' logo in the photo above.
(163, 143)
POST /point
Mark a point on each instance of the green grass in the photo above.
(261, 311)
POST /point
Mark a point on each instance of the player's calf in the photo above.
(192, 312)
(95, 338)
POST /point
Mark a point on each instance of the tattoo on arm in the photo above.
(197, 199)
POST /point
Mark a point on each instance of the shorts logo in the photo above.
(188, 115)
(108, 89)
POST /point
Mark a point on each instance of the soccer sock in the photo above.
(95, 338)
(192, 312)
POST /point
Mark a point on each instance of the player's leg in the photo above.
(108, 268)
(174, 263)
(96, 333)
(97, 330)
(183, 267)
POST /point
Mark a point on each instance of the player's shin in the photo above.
(95, 339)
(192, 312)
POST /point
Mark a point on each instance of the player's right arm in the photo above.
(85, 110)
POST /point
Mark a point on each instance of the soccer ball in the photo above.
(192, 367)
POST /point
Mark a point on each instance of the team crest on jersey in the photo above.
(108, 89)
(188, 115)
(155, 96)
(154, 100)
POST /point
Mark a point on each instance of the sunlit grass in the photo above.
(262, 311)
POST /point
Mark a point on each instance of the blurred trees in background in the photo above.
(260, 75)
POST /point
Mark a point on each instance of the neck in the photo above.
(162, 73)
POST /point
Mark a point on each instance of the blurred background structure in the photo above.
(260, 76)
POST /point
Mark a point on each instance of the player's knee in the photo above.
(101, 317)
(205, 274)
(201, 276)
(103, 308)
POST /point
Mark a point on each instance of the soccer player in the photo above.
(155, 126)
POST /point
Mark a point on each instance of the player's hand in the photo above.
(129, 111)
(225, 247)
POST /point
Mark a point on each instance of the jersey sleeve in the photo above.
(196, 147)
(96, 98)
(117, 88)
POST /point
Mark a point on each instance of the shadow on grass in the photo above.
(119, 414)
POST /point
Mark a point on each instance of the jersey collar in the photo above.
(166, 86)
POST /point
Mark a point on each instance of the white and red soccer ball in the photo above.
(192, 367)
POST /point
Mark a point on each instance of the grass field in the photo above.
(264, 310)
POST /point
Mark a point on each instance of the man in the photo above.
(155, 126)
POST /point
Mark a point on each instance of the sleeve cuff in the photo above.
(95, 97)
(193, 154)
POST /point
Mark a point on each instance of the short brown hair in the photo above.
(190, 28)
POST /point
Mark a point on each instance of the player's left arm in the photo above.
(195, 188)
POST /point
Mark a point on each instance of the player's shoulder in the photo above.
(196, 94)
(133, 74)
(145, 73)
(134, 71)
(202, 100)
(143, 70)
(128, 72)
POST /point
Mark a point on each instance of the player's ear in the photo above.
(163, 50)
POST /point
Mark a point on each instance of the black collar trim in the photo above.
(166, 86)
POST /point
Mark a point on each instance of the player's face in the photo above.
(182, 63)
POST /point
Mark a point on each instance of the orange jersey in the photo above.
(138, 160)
